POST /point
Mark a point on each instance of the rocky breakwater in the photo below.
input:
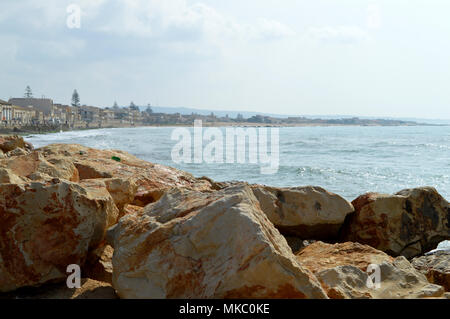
(143, 230)
(408, 223)
(57, 202)
(220, 244)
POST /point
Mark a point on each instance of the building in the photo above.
(23, 115)
(43, 105)
(89, 114)
(108, 115)
(5, 112)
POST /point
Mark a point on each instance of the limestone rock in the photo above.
(305, 212)
(46, 226)
(17, 152)
(99, 264)
(9, 143)
(150, 178)
(193, 244)
(436, 267)
(8, 177)
(36, 167)
(397, 280)
(408, 223)
(320, 256)
(122, 190)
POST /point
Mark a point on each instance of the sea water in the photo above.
(348, 160)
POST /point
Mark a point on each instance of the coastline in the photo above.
(58, 128)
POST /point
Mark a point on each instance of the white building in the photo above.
(6, 112)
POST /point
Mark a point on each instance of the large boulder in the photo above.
(46, 226)
(98, 265)
(36, 167)
(320, 256)
(193, 244)
(408, 223)
(151, 180)
(304, 212)
(398, 280)
(436, 267)
(8, 177)
(122, 190)
(10, 143)
(343, 272)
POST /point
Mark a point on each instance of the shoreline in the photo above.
(26, 131)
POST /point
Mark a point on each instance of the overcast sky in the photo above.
(374, 58)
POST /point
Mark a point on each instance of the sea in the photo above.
(347, 160)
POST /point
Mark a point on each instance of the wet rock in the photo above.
(408, 223)
(193, 244)
(304, 212)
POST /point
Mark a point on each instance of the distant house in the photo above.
(89, 113)
(108, 115)
(23, 115)
(43, 105)
(5, 111)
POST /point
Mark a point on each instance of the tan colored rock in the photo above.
(320, 256)
(408, 223)
(99, 264)
(17, 152)
(305, 212)
(151, 179)
(399, 280)
(8, 177)
(194, 244)
(9, 143)
(122, 190)
(36, 167)
(132, 209)
(435, 267)
(46, 226)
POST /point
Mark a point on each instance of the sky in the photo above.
(356, 57)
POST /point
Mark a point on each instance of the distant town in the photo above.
(31, 114)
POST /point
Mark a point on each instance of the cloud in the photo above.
(176, 20)
(338, 34)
